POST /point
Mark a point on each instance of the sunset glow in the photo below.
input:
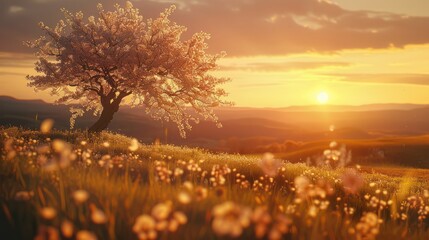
(322, 98)
(214, 119)
(291, 51)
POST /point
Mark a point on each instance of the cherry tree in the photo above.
(119, 58)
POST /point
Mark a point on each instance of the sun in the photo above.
(322, 98)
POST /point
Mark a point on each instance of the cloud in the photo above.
(279, 27)
(279, 66)
(15, 9)
(16, 60)
(183, 5)
(247, 27)
(385, 78)
(2, 73)
(259, 85)
(43, 1)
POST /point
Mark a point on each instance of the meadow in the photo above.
(75, 185)
(400, 151)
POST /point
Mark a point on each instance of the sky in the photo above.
(279, 52)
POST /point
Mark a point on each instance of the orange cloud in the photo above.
(247, 27)
(394, 78)
(280, 66)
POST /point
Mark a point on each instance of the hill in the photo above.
(292, 135)
(359, 108)
(241, 123)
(394, 151)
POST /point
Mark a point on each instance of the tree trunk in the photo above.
(104, 120)
(110, 105)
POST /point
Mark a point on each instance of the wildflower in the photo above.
(201, 193)
(331, 154)
(161, 211)
(261, 218)
(302, 184)
(368, 226)
(24, 195)
(263, 184)
(85, 235)
(415, 202)
(218, 174)
(281, 226)
(67, 229)
(80, 196)
(312, 211)
(173, 225)
(134, 145)
(46, 126)
(61, 157)
(345, 157)
(144, 227)
(45, 232)
(324, 188)
(163, 172)
(180, 217)
(8, 145)
(188, 185)
(162, 218)
(269, 164)
(58, 145)
(178, 172)
(338, 155)
(184, 198)
(43, 149)
(265, 225)
(352, 181)
(48, 213)
(230, 219)
(104, 159)
(97, 215)
(11, 155)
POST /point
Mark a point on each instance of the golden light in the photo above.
(322, 98)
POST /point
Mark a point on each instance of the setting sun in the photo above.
(322, 98)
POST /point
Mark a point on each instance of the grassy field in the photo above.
(408, 152)
(71, 185)
(395, 171)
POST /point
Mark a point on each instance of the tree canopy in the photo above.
(98, 62)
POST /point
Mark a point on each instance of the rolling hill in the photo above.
(252, 127)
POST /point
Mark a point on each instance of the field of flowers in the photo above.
(71, 185)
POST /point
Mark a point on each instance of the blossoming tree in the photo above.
(119, 58)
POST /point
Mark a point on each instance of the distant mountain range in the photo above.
(359, 108)
(248, 126)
